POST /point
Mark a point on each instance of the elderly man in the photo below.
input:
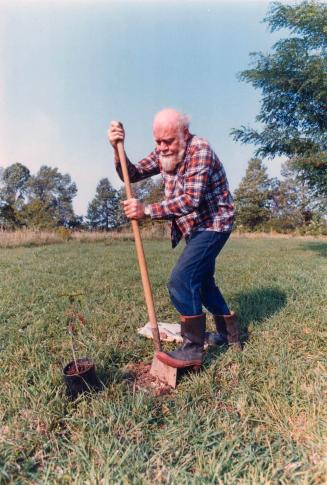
(200, 207)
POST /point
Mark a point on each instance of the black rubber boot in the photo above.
(215, 338)
(219, 338)
(190, 354)
(228, 329)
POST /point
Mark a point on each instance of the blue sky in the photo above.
(69, 67)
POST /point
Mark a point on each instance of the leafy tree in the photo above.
(146, 190)
(13, 187)
(14, 183)
(50, 199)
(7, 216)
(2, 204)
(77, 223)
(253, 197)
(121, 219)
(294, 206)
(103, 211)
(36, 214)
(156, 192)
(293, 82)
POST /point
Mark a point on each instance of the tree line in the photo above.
(283, 205)
(44, 200)
(293, 119)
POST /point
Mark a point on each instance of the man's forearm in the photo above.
(147, 167)
(132, 171)
(176, 207)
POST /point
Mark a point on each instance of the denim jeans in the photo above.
(192, 282)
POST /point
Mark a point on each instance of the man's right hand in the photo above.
(116, 133)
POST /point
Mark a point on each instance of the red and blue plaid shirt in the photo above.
(197, 196)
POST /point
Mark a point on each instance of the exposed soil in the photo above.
(81, 368)
(138, 376)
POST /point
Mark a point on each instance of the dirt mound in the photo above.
(139, 378)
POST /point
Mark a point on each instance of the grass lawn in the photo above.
(257, 417)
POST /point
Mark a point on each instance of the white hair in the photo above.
(173, 116)
(184, 121)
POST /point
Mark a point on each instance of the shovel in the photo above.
(162, 371)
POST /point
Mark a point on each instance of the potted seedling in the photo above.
(79, 374)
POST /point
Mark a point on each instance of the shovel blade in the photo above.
(164, 372)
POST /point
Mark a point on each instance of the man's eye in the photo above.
(166, 142)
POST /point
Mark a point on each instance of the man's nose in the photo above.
(163, 147)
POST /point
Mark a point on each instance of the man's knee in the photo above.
(178, 285)
(174, 282)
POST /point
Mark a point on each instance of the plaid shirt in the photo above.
(197, 196)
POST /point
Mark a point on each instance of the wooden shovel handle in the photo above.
(140, 254)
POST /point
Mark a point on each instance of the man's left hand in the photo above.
(134, 209)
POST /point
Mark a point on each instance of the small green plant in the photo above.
(74, 321)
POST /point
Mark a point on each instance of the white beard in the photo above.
(169, 162)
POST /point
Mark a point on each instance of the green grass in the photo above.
(257, 417)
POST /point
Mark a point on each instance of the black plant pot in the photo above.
(84, 380)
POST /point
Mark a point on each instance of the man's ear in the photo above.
(186, 133)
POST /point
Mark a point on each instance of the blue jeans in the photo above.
(192, 282)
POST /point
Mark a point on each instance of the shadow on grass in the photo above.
(252, 307)
(319, 247)
(259, 304)
(109, 374)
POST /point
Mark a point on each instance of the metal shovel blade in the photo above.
(164, 372)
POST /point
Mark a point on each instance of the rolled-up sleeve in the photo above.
(147, 167)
